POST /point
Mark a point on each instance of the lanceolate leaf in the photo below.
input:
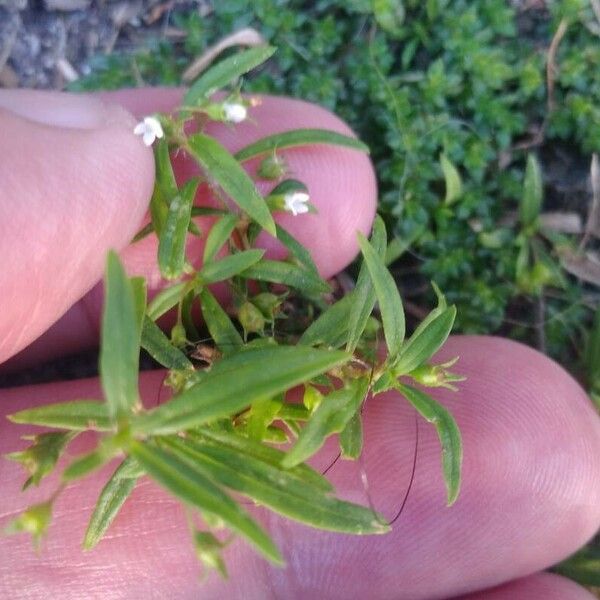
(424, 343)
(274, 488)
(120, 342)
(229, 175)
(171, 246)
(158, 345)
(230, 266)
(331, 328)
(111, 499)
(220, 326)
(390, 303)
(351, 437)
(75, 415)
(331, 416)
(364, 293)
(303, 473)
(218, 235)
(288, 274)
(189, 483)
(298, 137)
(447, 431)
(235, 382)
(225, 72)
(165, 300)
(138, 286)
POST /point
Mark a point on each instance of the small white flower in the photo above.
(150, 129)
(296, 202)
(234, 112)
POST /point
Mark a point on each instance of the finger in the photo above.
(530, 496)
(341, 184)
(542, 586)
(75, 182)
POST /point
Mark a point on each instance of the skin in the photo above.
(531, 476)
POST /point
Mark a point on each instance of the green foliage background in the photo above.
(415, 80)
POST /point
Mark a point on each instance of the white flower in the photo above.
(234, 112)
(296, 202)
(150, 129)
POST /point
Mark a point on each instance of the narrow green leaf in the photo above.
(166, 300)
(331, 328)
(425, 342)
(120, 342)
(297, 251)
(531, 201)
(145, 231)
(298, 137)
(237, 381)
(158, 345)
(226, 171)
(171, 244)
(390, 303)
(140, 293)
(230, 266)
(452, 178)
(351, 437)
(364, 293)
(165, 176)
(274, 488)
(111, 499)
(261, 414)
(331, 416)
(188, 318)
(274, 271)
(225, 72)
(219, 234)
(220, 326)
(303, 473)
(447, 431)
(76, 415)
(189, 483)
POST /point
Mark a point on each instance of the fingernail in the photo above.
(60, 109)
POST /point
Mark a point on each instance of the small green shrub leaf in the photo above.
(230, 266)
(390, 303)
(364, 293)
(235, 382)
(220, 326)
(157, 344)
(76, 415)
(287, 274)
(111, 499)
(425, 342)
(219, 234)
(351, 437)
(225, 72)
(171, 246)
(331, 328)
(120, 342)
(298, 137)
(331, 416)
(275, 488)
(165, 300)
(188, 482)
(447, 431)
(225, 171)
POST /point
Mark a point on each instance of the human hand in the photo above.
(531, 473)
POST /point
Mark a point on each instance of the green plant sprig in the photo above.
(219, 433)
